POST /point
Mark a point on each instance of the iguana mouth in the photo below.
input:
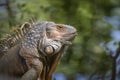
(71, 36)
(74, 33)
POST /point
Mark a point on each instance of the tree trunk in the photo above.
(113, 69)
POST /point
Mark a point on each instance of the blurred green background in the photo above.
(93, 55)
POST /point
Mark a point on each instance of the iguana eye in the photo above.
(60, 27)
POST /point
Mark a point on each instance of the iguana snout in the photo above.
(69, 33)
(61, 31)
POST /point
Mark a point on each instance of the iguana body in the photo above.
(38, 51)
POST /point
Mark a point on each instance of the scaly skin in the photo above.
(38, 52)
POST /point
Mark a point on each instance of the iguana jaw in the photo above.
(67, 38)
(70, 36)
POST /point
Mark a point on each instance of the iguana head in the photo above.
(54, 36)
(60, 31)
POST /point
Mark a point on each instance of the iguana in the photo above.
(34, 52)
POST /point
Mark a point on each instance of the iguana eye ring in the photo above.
(60, 27)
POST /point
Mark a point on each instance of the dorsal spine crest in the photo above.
(9, 40)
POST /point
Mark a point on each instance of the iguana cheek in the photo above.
(58, 37)
(55, 34)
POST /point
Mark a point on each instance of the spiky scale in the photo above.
(12, 39)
